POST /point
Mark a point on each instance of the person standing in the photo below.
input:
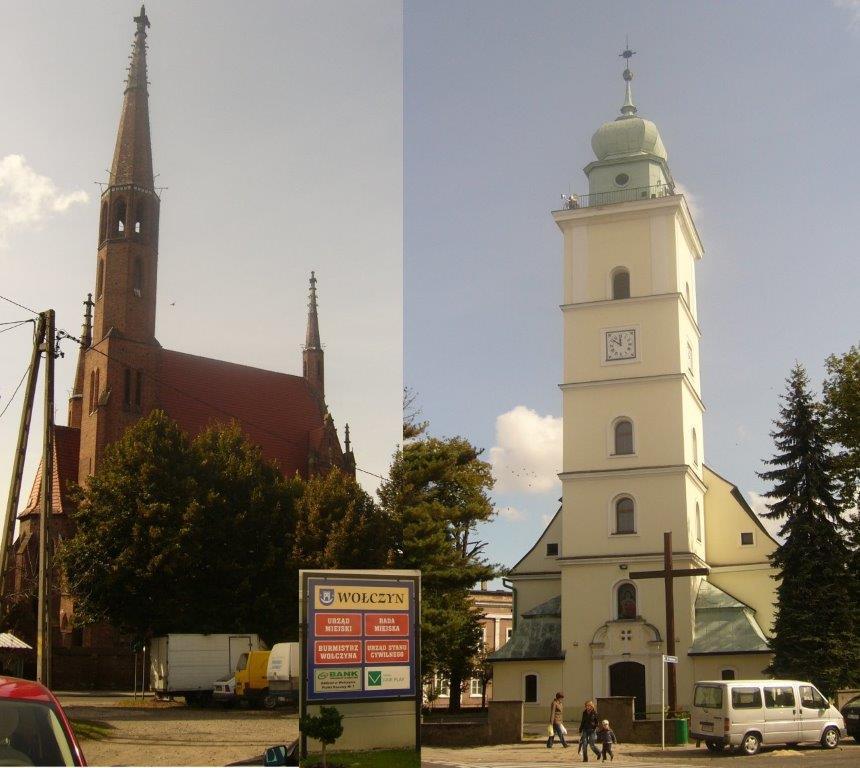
(588, 729)
(606, 736)
(556, 721)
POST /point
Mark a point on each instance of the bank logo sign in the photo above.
(360, 641)
(337, 680)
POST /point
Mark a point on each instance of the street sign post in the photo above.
(666, 660)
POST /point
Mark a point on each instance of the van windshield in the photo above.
(242, 664)
(710, 696)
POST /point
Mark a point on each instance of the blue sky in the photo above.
(757, 106)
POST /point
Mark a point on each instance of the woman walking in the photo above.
(588, 729)
(556, 711)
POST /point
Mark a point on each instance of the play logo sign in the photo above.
(387, 678)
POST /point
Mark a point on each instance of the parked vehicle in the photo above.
(34, 729)
(283, 671)
(186, 665)
(264, 678)
(749, 713)
(224, 690)
(851, 713)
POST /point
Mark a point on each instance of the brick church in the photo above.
(123, 372)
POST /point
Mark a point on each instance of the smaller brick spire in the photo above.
(76, 400)
(312, 355)
(132, 158)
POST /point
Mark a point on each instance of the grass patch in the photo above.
(91, 729)
(375, 758)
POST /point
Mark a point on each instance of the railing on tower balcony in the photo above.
(572, 202)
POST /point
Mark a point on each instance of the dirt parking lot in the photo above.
(173, 734)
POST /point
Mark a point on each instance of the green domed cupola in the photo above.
(630, 154)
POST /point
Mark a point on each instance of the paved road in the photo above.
(535, 755)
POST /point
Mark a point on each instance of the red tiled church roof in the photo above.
(277, 411)
(67, 443)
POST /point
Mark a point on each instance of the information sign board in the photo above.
(361, 642)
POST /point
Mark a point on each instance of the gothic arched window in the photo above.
(119, 214)
(621, 284)
(92, 398)
(103, 220)
(695, 446)
(96, 391)
(626, 601)
(137, 279)
(139, 217)
(623, 437)
(100, 279)
(625, 515)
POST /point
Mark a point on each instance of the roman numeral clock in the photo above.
(619, 345)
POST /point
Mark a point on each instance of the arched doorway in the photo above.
(627, 678)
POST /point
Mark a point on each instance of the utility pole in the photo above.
(43, 627)
(20, 455)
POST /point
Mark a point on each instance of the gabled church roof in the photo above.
(536, 637)
(277, 411)
(725, 625)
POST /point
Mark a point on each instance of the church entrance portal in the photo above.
(627, 678)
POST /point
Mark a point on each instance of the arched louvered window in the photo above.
(625, 515)
(621, 284)
(623, 437)
(119, 216)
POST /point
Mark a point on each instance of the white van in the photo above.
(749, 713)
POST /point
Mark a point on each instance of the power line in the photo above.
(64, 334)
(12, 398)
(18, 324)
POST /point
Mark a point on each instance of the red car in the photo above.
(34, 730)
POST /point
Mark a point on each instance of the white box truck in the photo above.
(283, 671)
(185, 664)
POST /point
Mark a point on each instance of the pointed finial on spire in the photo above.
(346, 443)
(628, 109)
(87, 327)
(312, 338)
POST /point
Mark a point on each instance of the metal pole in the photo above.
(663, 701)
(670, 619)
(43, 638)
(20, 455)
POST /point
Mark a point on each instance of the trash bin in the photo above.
(682, 731)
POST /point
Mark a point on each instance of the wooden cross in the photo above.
(668, 574)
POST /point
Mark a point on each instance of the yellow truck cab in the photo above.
(251, 682)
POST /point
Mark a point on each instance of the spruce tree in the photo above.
(813, 634)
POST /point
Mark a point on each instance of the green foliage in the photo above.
(338, 525)
(814, 637)
(326, 727)
(436, 495)
(180, 536)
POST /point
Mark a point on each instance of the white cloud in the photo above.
(693, 202)
(527, 454)
(27, 197)
(853, 6)
(510, 513)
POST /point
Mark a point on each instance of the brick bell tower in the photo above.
(117, 385)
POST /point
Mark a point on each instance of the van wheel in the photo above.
(270, 702)
(751, 744)
(830, 738)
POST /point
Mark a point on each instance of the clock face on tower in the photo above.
(621, 345)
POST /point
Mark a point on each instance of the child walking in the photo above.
(606, 736)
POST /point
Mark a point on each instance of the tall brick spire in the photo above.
(132, 158)
(312, 356)
(76, 399)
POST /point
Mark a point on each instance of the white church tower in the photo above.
(633, 456)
